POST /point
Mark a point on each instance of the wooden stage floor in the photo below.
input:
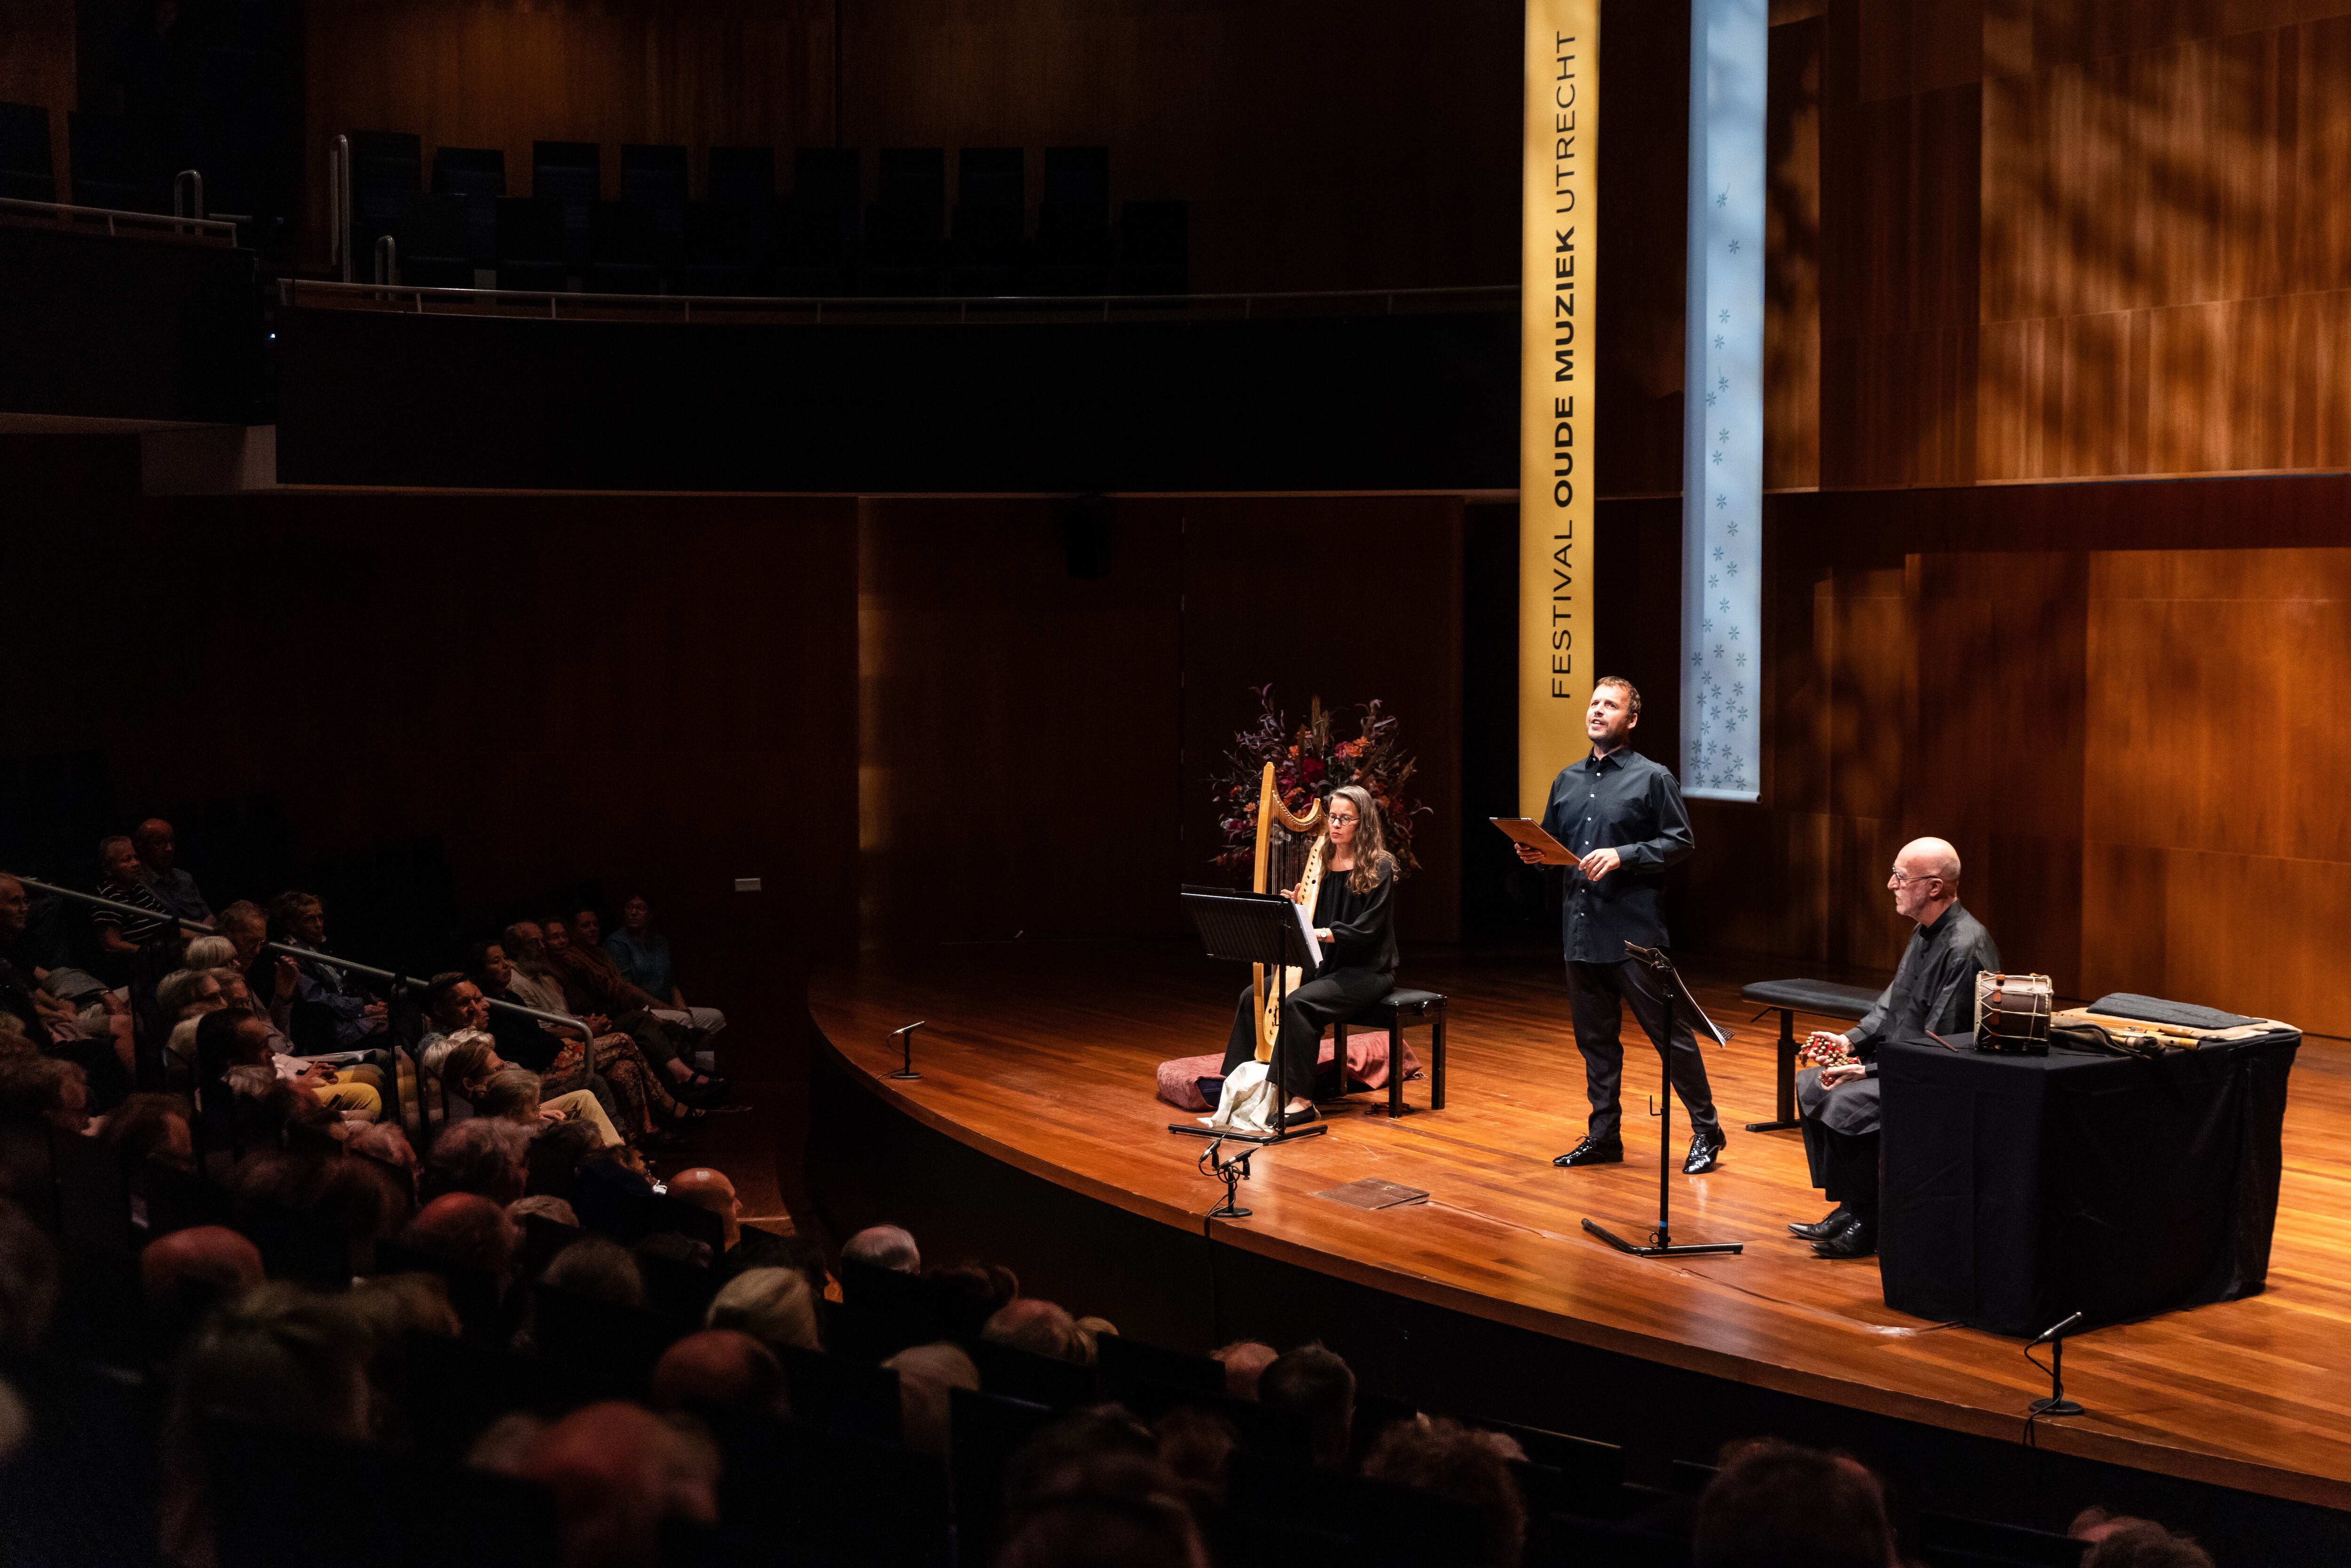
(1042, 1055)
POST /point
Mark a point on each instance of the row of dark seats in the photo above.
(741, 237)
(106, 171)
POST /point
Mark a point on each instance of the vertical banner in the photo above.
(1559, 182)
(1722, 405)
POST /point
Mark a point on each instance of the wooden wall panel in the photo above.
(36, 65)
(1792, 283)
(1643, 243)
(1020, 726)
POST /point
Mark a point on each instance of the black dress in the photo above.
(1358, 970)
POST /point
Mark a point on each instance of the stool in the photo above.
(1391, 1012)
(1791, 996)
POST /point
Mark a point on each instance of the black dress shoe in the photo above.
(1825, 1227)
(1703, 1151)
(1857, 1237)
(1300, 1118)
(1592, 1152)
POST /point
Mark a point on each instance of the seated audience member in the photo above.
(394, 1309)
(277, 1354)
(1431, 1454)
(376, 1074)
(926, 1373)
(207, 953)
(388, 1145)
(151, 1127)
(483, 1158)
(641, 955)
(1773, 1504)
(188, 993)
(23, 995)
(1318, 1388)
(535, 981)
(466, 1229)
(591, 983)
(44, 1089)
(597, 1267)
(227, 1040)
(774, 1306)
(2143, 1543)
(620, 1079)
(1091, 1507)
(183, 1274)
(617, 1470)
(512, 1094)
(541, 1206)
(62, 1011)
(119, 933)
(883, 1247)
(721, 1371)
(299, 920)
(273, 978)
(1245, 1362)
(174, 889)
(1041, 1328)
(745, 1246)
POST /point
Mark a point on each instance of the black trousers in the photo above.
(1596, 994)
(1313, 1007)
(1842, 1140)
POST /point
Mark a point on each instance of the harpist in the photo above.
(1351, 878)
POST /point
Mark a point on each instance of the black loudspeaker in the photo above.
(1089, 528)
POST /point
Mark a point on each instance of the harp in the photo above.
(1289, 854)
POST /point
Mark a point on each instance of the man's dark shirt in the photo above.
(16, 997)
(1934, 987)
(1625, 802)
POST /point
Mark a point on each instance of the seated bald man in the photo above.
(1933, 989)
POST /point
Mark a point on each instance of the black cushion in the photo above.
(1399, 1000)
(1813, 996)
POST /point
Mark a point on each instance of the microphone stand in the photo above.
(2056, 1404)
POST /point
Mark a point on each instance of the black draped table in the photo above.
(2021, 1189)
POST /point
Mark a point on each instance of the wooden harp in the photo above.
(1289, 854)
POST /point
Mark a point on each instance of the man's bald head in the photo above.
(719, 1369)
(1924, 881)
(464, 1229)
(710, 1189)
(209, 1258)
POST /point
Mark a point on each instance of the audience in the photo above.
(174, 890)
(1041, 1328)
(1434, 1455)
(121, 882)
(598, 1267)
(1317, 1387)
(926, 1373)
(746, 1247)
(466, 1229)
(724, 1371)
(641, 954)
(1773, 1504)
(883, 1247)
(2140, 1543)
(774, 1306)
(356, 1018)
(617, 1472)
(1245, 1364)
(591, 983)
(482, 1156)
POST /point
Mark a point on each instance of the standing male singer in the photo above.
(1621, 816)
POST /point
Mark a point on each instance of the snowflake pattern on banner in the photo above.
(1722, 463)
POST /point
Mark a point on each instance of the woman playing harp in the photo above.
(1351, 878)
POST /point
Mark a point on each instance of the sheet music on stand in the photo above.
(1304, 920)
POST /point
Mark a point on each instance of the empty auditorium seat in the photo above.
(27, 173)
(740, 174)
(435, 242)
(723, 248)
(656, 177)
(820, 221)
(1125, 1361)
(387, 168)
(623, 248)
(905, 227)
(531, 246)
(988, 248)
(571, 173)
(478, 175)
(1154, 248)
(106, 167)
(1071, 252)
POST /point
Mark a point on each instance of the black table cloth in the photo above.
(2018, 1190)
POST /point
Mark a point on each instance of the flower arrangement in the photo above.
(1308, 764)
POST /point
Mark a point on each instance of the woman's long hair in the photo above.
(1371, 844)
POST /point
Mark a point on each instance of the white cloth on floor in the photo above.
(1249, 1103)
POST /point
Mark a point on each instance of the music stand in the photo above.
(1254, 928)
(1661, 1242)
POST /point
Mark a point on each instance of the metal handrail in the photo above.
(209, 228)
(339, 206)
(184, 177)
(292, 287)
(312, 954)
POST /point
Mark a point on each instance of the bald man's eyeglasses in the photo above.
(1902, 878)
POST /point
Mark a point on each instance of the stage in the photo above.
(1037, 1063)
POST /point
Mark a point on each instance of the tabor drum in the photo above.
(2012, 1013)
